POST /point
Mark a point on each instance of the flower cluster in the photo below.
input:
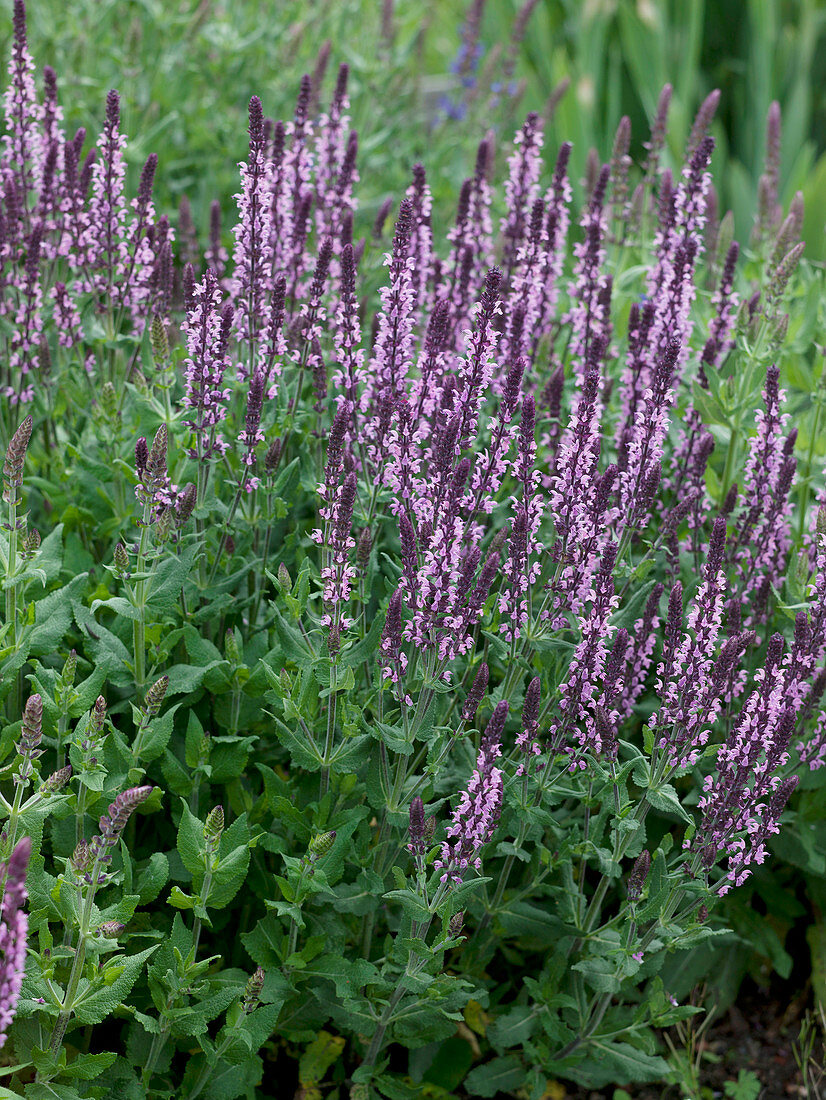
(14, 927)
(477, 813)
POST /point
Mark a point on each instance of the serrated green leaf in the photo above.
(501, 1075)
(190, 843)
(100, 1004)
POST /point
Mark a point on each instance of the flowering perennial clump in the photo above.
(418, 629)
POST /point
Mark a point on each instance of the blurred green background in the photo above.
(186, 71)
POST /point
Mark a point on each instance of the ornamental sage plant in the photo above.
(413, 641)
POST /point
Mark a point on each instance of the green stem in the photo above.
(77, 966)
(13, 705)
(62, 726)
(225, 532)
(156, 1049)
(14, 817)
(236, 710)
(292, 942)
(80, 814)
(139, 624)
(208, 1068)
(265, 553)
(331, 729)
(377, 1042)
(196, 924)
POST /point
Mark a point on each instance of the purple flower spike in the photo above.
(393, 348)
(476, 694)
(207, 335)
(521, 188)
(14, 927)
(526, 739)
(477, 814)
(22, 142)
(112, 824)
(688, 706)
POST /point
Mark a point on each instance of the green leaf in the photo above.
(264, 942)
(746, 1087)
(169, 578)
(318, 1057)
(229, 876)
(109, 653)
(86, 1067)
(103, 1002)
(514, 1028)
(49, 1090)
(412, 905)
(666, 799)
(190, 842)
(120, 606)
(349, 754)
(656, 887)
(184, 679)
(52, 618)
(348, 975)
(50, 555)
(619, 1064)
(295, 742)
(225, 1082)
(181, 900)
(157, 736)
(501, 1075)
(523, 919)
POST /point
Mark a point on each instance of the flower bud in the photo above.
(416, 827)
(111, 929)
(321, 844)
(156, 461)
(67, 676)
(272, 456)
(365, 544)
(530, 706)
(476, 694)
(32, 729)
(163, 526)
(121, 559)
(639, 873)
(141, 457)
(252, 992)
(231, 649)
(15, 457)
(82, 857)
(31, 544)
(160, 342)
(186, 504)
(57, 780)
(97, 718)
(457, 921)
(213, 827)
(203, 749)
(109, 400)
(155, 696)
(284, 578)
